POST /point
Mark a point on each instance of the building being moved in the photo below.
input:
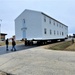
(35, 25)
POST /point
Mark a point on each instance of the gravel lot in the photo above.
(38, 61)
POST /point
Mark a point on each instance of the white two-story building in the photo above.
(35, 25)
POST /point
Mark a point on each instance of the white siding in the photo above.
(36, 23)
(18, 26)
(32, 23)
(55, 27)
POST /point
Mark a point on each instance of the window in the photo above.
(23, 20)
(50, 32)
(54, 22)
(50, 20)
(57, 33)
(62, 26)
(45, 31)
(66, 28)
(62, 33)
(57, 24)
(44, 18)
(54, 32)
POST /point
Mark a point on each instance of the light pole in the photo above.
(0, 30)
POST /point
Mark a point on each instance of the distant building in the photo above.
(2, 36)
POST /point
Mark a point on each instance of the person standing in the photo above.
(7, 43)
(72, 40)
(13, 45)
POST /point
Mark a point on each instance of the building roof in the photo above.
(43, 14)
(53, 19)
(3, 33)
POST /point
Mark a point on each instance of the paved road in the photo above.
(18, 48)
(38, 61)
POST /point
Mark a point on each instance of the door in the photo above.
(24, 33)
(24, 29)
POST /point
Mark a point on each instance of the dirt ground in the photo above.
(50, 45)
(72, 47)
(2, 73)
(69, 48)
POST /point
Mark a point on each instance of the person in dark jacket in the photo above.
(72, 40)
(13, 45)
(7, 43)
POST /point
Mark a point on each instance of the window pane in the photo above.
(23, 20)
(50, 21)
(45, 32)
(44, 18)
(50, 32)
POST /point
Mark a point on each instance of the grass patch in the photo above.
(61, 46)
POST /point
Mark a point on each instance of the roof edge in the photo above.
(53, 19)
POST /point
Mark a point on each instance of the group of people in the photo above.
(13, 44)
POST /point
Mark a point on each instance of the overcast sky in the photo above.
(61, 10)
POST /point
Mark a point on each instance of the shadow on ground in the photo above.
(4, 73)
(18, 48)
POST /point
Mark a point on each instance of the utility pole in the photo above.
(0, 29)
